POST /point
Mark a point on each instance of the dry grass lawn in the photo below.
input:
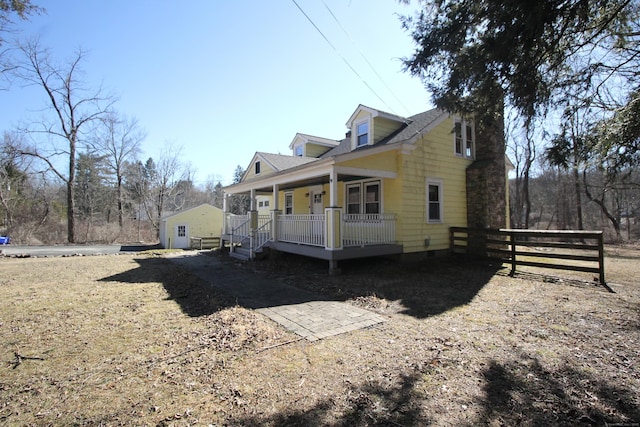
(133, 340)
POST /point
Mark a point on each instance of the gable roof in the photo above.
(283, 161)
(313, 140)
(413, 128)
(374, 113)
(208, 206)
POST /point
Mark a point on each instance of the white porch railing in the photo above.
(309, 229)
(240, 227)
(368, 229)
(263, 232)
(234, 222)
(302, 229)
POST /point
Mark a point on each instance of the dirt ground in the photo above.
(133, 340)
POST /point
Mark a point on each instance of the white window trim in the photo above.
(438, 182)
(285, 202)
(355, 132)
(257, 168)
(463, 131)
(301, 146)
(363, 184)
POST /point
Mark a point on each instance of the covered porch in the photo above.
(326, 230)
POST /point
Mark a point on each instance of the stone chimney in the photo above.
(486, 180)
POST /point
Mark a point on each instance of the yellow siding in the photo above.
(383, 127)
(314, 150)
(382, 161)
(265, 169)
(432, 158)
(202, 221)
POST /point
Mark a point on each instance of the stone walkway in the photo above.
(307, 314)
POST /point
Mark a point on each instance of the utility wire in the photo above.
(365, 58)
(338, 53)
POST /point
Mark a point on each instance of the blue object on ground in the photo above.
(4, 240)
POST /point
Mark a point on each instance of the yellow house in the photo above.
(393, 185)
(176, 230)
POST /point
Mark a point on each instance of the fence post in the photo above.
(512, 240)
(601, 258)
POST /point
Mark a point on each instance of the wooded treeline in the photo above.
(566, 73)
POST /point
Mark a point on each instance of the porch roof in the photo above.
(313, 173)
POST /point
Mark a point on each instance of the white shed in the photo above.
(177, 229)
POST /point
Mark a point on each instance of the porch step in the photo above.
(243, 253)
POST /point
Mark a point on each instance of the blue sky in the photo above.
(224, 79)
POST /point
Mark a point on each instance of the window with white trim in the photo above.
(434, 201)
(364, 197)
(288, 203)
(298, 150)
(257, 168)
(362, 134)
(463, 139)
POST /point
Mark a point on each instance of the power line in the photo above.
(340, 55)
(364, 57)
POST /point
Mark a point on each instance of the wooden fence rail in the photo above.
(205, 242)
(586, 247)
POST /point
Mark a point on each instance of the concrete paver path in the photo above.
(308, 314)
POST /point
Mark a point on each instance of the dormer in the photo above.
(367, 126)
(311, 146)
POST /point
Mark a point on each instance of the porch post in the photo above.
(333, 188)
(253, 200)
(253, 226)
(275, 214)
(333, 228)
(276, 189)
(225, 212)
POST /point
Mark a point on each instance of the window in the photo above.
(299, 150)
(266, 203)
(182, 231)
(434, 201)
(463, 139)
(372, 198)
(257, 168)
(362, 134)
(288, 203)
(261, 204)
(469, 141)
(364, 198)
(353, 199)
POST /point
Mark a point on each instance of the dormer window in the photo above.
(298, 150)
(362, 134)
(257, 168)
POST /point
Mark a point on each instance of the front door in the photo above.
(181, 236)
(317, 205)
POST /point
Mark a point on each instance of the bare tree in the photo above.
(118, 140)
(72, 108)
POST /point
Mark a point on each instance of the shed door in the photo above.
(181, 236)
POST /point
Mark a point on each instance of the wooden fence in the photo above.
(585, 247)
(205, 242)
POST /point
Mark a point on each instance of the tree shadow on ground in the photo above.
(424, 288)
(515, 392)
(205, 282)
(524, 392)
(376, 403)
(189, 291)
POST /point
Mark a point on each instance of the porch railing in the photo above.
(233, 222)
(368, 229)
(302, 229)
(263, 232)
(240, 229)
(309, 229)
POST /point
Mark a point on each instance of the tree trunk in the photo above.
(71, 193)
